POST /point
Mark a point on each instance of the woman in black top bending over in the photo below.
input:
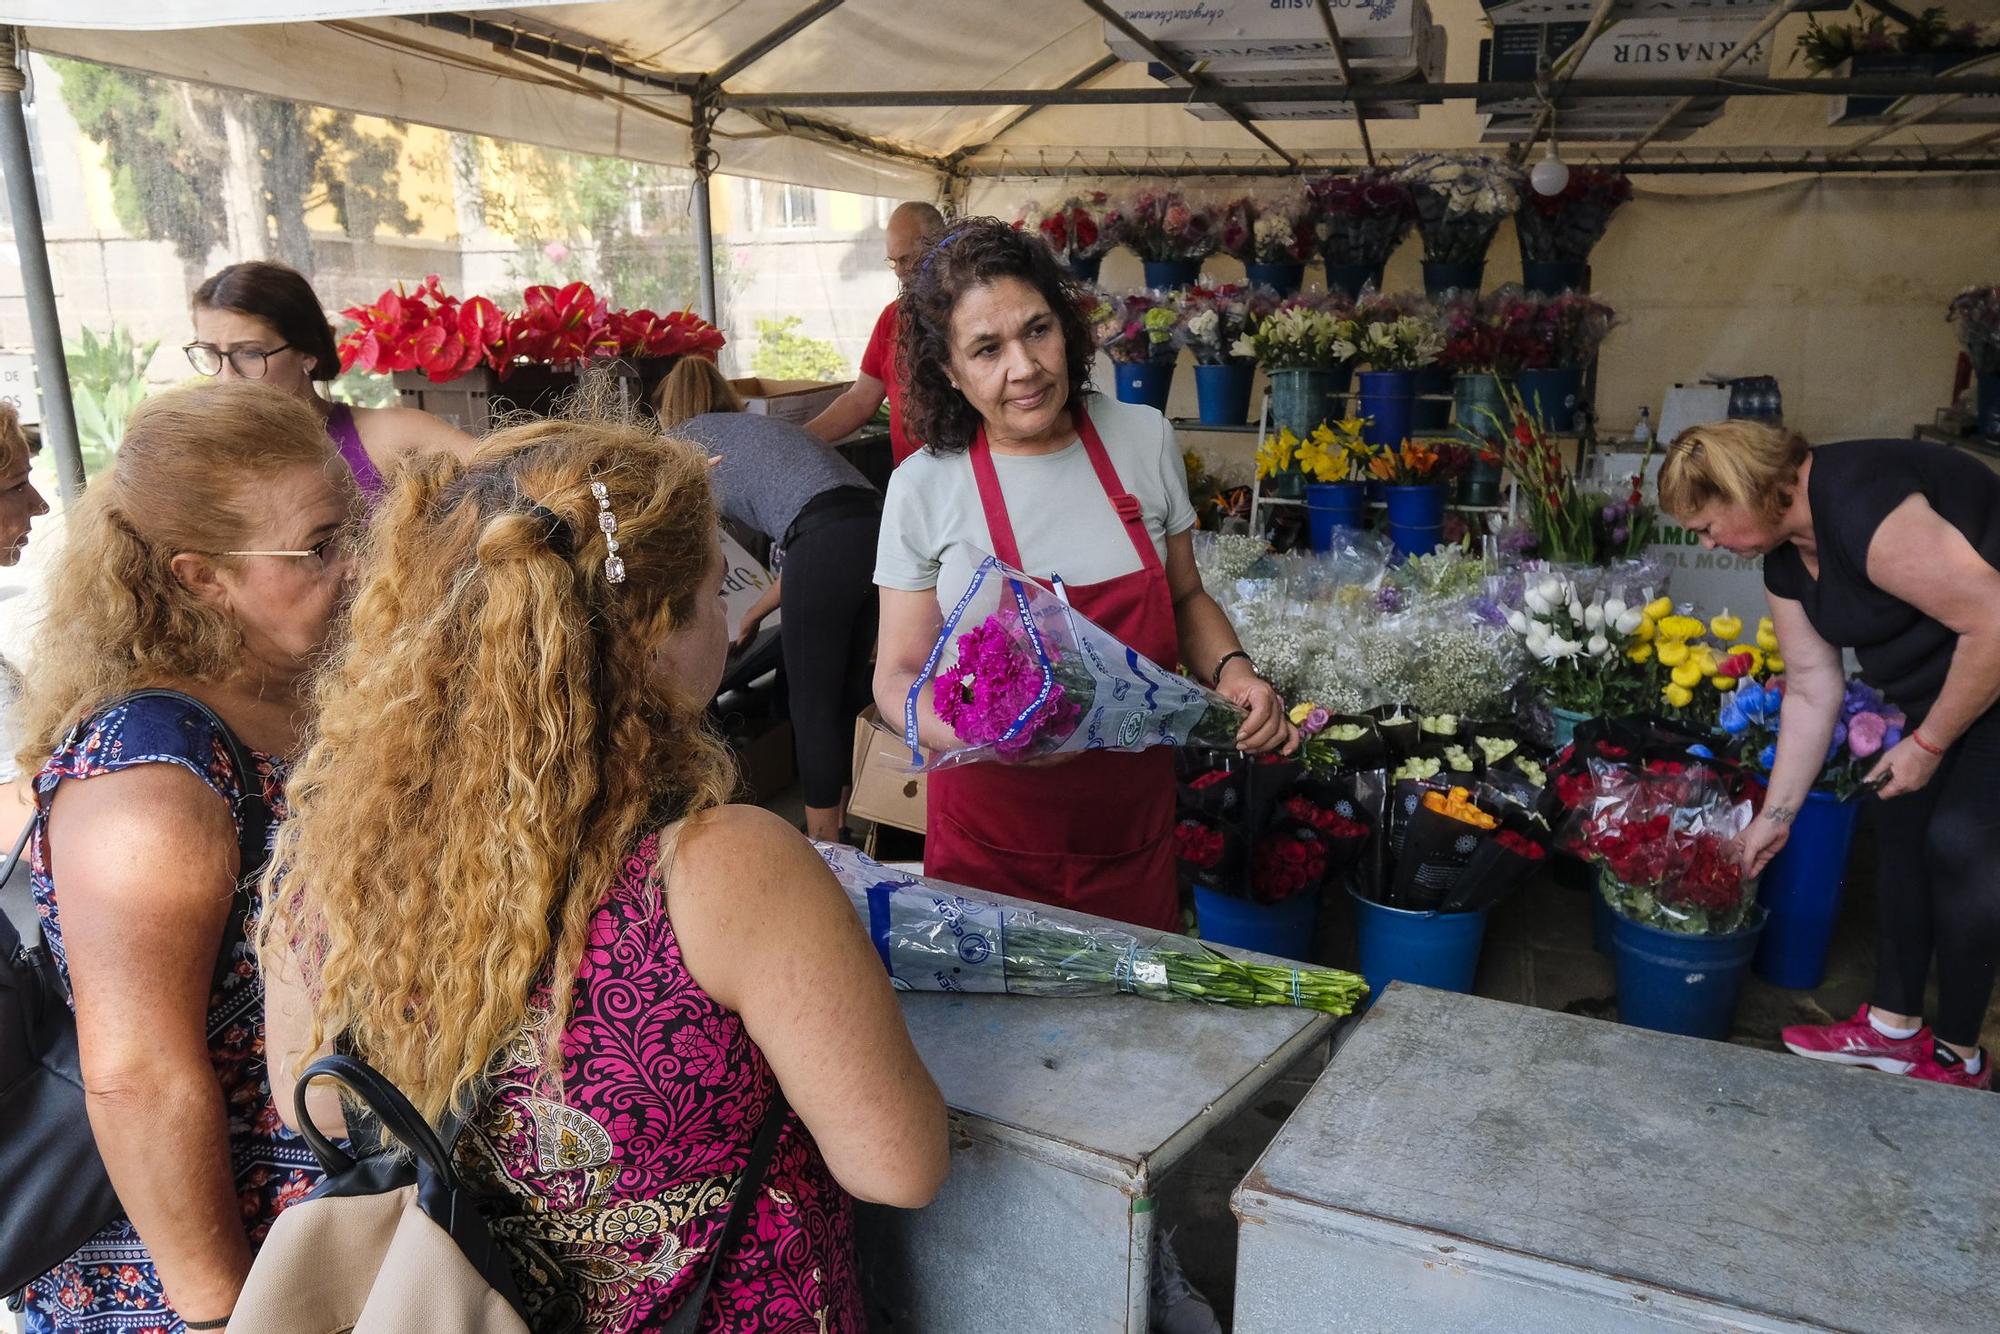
(1892, 549)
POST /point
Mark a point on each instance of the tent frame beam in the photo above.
(1200, 83)
(1736, 53)
(1876, 85)
(1767, 165)
(1347, 76)
(768, 43)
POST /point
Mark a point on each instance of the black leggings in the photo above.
(827, 612)
(1937, 887)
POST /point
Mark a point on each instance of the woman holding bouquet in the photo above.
(1892, 549)
(1024, 462)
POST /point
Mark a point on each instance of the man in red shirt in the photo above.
(910, 227)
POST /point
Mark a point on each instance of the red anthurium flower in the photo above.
(1735, 665)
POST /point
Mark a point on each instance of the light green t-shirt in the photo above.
(934, 531)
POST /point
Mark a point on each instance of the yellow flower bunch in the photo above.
(1335, 451)
(1679, 645)
(1275, 455)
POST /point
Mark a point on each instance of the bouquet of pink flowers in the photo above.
(1161, 225)
(1032, 678)
(1138, 327)
(1266, 231)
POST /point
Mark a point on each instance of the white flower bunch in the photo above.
(1406, 344)
(1273, 237)
(1295, 338)
(1470, 183)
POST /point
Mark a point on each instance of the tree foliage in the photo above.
(785, 354)
(167, 147)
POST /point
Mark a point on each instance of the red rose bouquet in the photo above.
(1660, 834)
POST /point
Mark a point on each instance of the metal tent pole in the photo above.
(37, 283)
(704, 161)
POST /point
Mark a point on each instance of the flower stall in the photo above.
(1169, 233)
(1074, 229)
(1137, 332)
(1460, 200)
(1272, 238)
(1212, 324)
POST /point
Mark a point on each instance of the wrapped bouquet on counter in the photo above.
(1018, 675)
(934, 937)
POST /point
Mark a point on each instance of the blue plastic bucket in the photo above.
(1801, 890)
(1331, 505)
(1166, 274)
(1416, 517)
(1442, 276)
(1671, 982)
(1566, 721)
(1428, 949)
(1430, 411)
(1553, 277)
(1285, 279)
(1602, 917)
(1386, 402)
(1986, 399)
(1552, 397)
(1224, 393)
(1350, 279)
(1147, 382)
(1284, 929)
(1086, 270)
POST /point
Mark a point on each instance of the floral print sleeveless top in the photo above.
(610, 1199)
(110, 1286)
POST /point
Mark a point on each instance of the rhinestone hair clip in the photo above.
(607, 523)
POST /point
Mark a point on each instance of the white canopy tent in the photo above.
(902, 97)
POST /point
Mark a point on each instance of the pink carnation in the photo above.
(1864, 734)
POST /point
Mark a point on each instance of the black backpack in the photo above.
(57, 1194)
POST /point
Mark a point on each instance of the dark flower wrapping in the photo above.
(1361, 217)
(1569, 224)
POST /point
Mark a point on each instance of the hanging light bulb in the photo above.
(1551, 174)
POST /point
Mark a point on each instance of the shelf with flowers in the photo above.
(1359, 218)
(1802, 885)
(1976, 312)
(524, 360)
(1169, 233)
(1272, 237)
(1136, 331)
(1074, 229)
(1301, 348)
(1559, 231)
(1211, 324)
(1396, 339)
(1461, 200)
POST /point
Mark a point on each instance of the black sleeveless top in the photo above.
(1854, 485)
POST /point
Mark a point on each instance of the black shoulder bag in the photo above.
(57, 1194)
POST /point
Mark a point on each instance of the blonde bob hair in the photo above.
(1748, 464)
(185, 479)
(492, 743)
(694, 386)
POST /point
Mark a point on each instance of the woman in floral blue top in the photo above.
(211, 559)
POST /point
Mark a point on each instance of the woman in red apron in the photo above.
(997, 355)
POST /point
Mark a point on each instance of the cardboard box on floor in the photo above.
(885, 791)
(797, 401)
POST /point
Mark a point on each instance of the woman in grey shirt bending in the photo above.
(776, 478)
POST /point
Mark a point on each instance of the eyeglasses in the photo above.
(249, 362)
(328, 551)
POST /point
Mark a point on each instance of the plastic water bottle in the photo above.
(1643, 433)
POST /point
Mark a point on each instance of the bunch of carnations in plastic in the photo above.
(1018, 675)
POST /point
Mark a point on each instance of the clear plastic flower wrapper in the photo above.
(1019, 675)
(935, 937)
(1659, 832)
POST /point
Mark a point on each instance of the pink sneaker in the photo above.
(1857, 1042)
(1951, 1070)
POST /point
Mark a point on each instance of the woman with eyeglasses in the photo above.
(262, 321)
(209, 560)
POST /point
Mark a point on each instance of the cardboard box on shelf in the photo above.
(885, 791)
(788, 400)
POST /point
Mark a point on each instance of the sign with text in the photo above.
(1710, 581)
(17, 386)
(744, 581)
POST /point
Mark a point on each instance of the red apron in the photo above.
(1093, 833)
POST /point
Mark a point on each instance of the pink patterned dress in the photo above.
(613, 1194)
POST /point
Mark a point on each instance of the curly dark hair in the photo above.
(971, 254)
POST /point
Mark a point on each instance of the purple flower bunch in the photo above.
(1868, 725)
(997, 679)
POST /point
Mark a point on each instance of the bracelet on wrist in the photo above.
(1917, 735)
(1223, 663)
(222, 1323)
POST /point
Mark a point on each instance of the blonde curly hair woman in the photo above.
(515, 888)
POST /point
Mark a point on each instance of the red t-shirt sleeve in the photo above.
(879, 360)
